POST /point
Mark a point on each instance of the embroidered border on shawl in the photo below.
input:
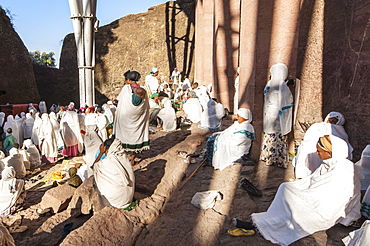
(136, 147)
(249, 134)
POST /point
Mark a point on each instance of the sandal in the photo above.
(240, 232)
(250, 188)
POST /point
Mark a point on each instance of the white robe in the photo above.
(71, 118)
(28, 125)
(212, 115)
(36, 129)
(317, 202)
(92, 142)
(10, 123)
(56, 128)
(278, 102)
(193, 109)
(359, 237)
(34, 155)
(131, 124)
(231, 144)
(114, 176)
(47, 138)
(168, 116)
(10, 188)
(19, 122)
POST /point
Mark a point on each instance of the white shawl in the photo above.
(212, 115)
(92, 142)
(232, 143)
(278, 103)
(10, 123)
(168, 116)
(47, 137)
(317, 202)
(19, 122)
(34, 155)
(56, 127)
(68, 135)
(36, 129)
(131, 124)
(71, 118)
(114, 176)
(28, 125)
(10, 188)
(193, 109)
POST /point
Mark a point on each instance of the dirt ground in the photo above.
(159, 173)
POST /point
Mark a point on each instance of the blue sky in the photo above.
(42, 24)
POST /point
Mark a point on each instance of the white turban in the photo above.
(245, 113)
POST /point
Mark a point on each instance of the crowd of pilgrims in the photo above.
(325, 191)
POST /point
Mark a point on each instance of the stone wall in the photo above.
(17, 82)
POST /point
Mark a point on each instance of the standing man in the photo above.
(152, 81)
(131, 124)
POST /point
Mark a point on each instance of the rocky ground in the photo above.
(164, 214)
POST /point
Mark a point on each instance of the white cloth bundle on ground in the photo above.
(206, 199)
(131, 125)
(114, 176)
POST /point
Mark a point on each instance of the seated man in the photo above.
(225, 148)
(154, 108)
(317, 202)
(113, 175)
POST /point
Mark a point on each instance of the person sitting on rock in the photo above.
(12, 192)
(330, 195)
(225, 148)
(113, 175)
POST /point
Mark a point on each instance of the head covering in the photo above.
(132, 75)
(175, 68)
(364, 165)
(245, 113)
(337, 115)
(325, 143)
(74, 180)
(154, 70)
(110, 103)
(154, 95)
(71, 106)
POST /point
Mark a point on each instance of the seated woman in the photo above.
(306, 160)
(167, 116)
(224, 148)
(212, 115)
(113, 175)
(11, 192)
(317, 202)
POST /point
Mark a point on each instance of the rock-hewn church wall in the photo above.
(17, 81)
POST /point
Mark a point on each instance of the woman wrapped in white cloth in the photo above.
(167, 116)
(28, 125)
(317, 202)
(34, 154)
(11, 192)
(48, 141)
(113, 175)
(193, 109)
(71, 117)
(212, 115)
(224, 148)
(306, 160)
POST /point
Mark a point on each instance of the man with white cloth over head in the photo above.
(113, 175)
(233, 143)
(317, 202)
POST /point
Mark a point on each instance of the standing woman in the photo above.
(48, 141)
(277, 117)
(28, 125)
(70, 140)
(36, 130)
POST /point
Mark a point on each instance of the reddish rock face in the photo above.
(17, 82)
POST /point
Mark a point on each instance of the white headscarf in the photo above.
(337, 115)
(246, 114)
(10, 188)
(278, 103)
(68, 136)
(168, 116)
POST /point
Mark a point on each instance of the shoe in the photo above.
(250, 188)
(243, 224)
(240, 232)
